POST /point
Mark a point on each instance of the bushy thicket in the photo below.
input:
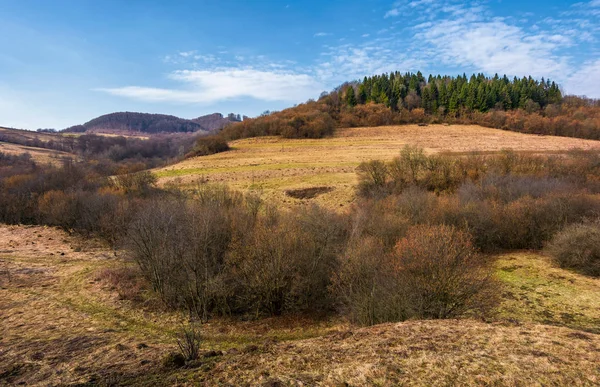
(432, 272)
(217, 254)
(508, 201)
(208, 145)
(578, 247)
(409, 247)
(308, 120)
(114, 151)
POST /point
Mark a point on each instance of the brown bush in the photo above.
(578, 247)
(208, 145)
(441, 274)
(434, 272)
(127, 281)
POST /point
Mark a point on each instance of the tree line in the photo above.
(445, 94)
(524, 105)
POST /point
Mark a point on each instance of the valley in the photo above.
(65, 321)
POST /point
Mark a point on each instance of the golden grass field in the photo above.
(40, 155)
(273, 165)
(62, 324)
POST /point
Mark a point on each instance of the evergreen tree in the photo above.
(362, 94)
(350, 97)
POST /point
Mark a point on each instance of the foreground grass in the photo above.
(539, 292)
(62, 325)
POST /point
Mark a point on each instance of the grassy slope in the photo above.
(40, 155)
(274, 165)
(61, 324)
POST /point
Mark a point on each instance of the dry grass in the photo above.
(39, 155)
(423, 353)
(63, 323)
(274, 165)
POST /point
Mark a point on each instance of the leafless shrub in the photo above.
(440, 273)
(189, 341)
(578, 247)
(434, 272)
(364, 284)
(127, 281)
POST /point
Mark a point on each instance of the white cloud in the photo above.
(492, 45)
(586, 81)
(321, 34)
(186, 54)
(392, 13)
(209, 86)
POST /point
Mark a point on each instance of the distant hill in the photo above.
(216, 121)
(128, 122)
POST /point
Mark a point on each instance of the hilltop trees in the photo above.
(453, 94)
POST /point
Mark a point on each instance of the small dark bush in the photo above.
(189, 341)
(208, 145)
(173, 360)
(578, 247)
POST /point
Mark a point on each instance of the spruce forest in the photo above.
(444, 94)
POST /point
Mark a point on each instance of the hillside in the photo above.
(215, 121)
(275, 165)
(70, 316)
(39, 155)
(145, 123)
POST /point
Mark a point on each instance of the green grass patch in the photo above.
(538, 291)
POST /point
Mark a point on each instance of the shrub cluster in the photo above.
(578, 247)
(432, 272)
(308, 120)
(208, 145)
(407, 249)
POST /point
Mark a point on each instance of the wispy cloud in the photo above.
(392, 13)
(209, 86)
(586, 80)
(434, 35)
(494, 46)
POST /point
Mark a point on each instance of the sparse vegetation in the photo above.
(189, 341)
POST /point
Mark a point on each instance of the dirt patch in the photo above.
(308, 193)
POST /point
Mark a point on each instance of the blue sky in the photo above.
(64, 62)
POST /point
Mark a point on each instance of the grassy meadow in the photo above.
(274, 165)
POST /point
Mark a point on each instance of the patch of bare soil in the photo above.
(308, 193)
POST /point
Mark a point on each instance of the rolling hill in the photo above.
(134, 123)
(276, 165)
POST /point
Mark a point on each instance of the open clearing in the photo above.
(275, 165)
(39, 155)
(61, 323)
